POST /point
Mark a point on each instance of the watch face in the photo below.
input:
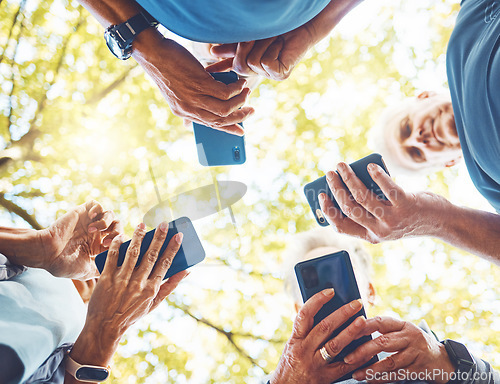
(113, 46)
(91, 374)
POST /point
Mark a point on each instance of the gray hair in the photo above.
(305, 242)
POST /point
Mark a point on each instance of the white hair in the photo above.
(305, 242)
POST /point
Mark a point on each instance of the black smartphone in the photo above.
(332, 271)
(217, 147)
(190, 253)
(314, 188)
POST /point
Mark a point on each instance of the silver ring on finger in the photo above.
(325, 355)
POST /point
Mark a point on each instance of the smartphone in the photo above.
(190, 253)
(314, 188)
(217, 147)
(332, 271)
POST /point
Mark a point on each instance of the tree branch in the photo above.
(43, 100)
(14, 22)
(13, 78)
(98, 96)
(228, 335)
(12, 207)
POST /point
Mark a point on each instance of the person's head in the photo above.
(418, 133)
(324, 241)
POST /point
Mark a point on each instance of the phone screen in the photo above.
(332, 271)
(190, 253)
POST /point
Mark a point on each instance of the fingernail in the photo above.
(341, 167)
(348, 359)
(322, 197)
(329, 175)
(163, 227)
(356, 304)
(329, 292)
(106, 242)
(92, 229)
(357, 376)
(141, 226)
(93, 216)
(372, 167)
(179, 237)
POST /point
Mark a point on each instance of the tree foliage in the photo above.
(76, 124)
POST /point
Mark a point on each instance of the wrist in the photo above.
(444, 366)
(21, 246)
(95, 346)
(433, 213)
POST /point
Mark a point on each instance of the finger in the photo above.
(224, 50)
(271, 61)
(304, 321)
(168, 287)
(227, 124)
(361, 194)
(223, 109)
(220, 66)
(153, 251)
(103, 223)
(394, 193)
(133, 252)
(93, 208)
(342, 340)
(112, 258)
(391, 363)
(113, 230)
(240, 65)
(165, 260)
(254, 58)
(392, 342)
(339, 222)
(329, 324)
(346, 202)
(221, 91)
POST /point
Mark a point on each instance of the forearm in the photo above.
(21, 246)
(473, 230)
(329, 17)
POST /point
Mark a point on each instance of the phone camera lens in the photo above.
(236, 154)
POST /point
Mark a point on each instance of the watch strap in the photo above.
(462, 360)
(132, 27)
(72, 367)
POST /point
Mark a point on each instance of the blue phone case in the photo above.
(332, 271)
(217, 147)
(190, 253)
(314, 188)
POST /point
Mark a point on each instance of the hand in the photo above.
(189, 89)
(125, 294)
(301, 361)
(414, 350)
(274, 58)
(373, 219)
(67, 246)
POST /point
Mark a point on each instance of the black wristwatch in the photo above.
(119, 37)
(462, 360)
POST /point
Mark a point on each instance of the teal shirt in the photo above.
(473, 65)
(232, 21)
(39, 313)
